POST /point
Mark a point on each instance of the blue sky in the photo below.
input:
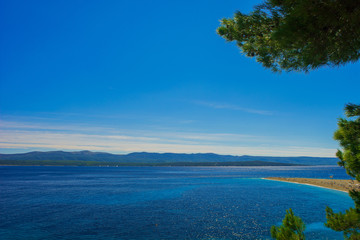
(126, 76)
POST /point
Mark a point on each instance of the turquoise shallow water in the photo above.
(161, 203)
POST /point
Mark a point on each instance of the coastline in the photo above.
(334, 184)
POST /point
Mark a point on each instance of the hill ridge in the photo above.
(152, 157)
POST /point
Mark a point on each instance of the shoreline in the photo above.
(333, 184)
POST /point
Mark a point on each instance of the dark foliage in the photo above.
(348, 135)
(292, 228)
(297, 35)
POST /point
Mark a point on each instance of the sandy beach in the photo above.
(340, 185)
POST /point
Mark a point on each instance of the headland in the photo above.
(335, 184)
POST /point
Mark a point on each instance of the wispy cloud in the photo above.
(18, 135)
(50, 127)
(233, 107)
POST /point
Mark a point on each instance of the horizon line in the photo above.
(165, 153)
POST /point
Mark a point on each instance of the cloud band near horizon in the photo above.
(23, 137)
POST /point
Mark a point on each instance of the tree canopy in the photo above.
(297, 35)
(348, 135)
(292, 228)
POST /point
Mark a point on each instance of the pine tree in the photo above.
(292, 228)
(297, 35)
(348, 135)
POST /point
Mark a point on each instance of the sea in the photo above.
(152, 203)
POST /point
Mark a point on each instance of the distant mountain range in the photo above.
(155, 159)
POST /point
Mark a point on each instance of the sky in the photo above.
(125, 76)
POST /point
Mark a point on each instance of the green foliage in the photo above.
(297, 35)
(348, 222)
(292, 228)
(348, 135)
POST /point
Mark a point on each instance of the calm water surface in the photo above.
(161, 202)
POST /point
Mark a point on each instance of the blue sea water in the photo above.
(161, 202)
